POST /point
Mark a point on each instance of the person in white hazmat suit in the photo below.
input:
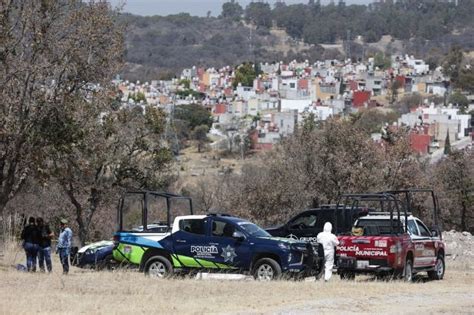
(329, 242)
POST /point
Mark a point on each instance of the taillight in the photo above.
(396, 248)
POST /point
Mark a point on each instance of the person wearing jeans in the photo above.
(64, 245)
(30, 237)
(44, 251)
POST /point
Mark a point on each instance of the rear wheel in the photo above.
(266, 269)
(158, 267)
(408, 271)
(438, 272)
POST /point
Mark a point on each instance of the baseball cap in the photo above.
(63, 221)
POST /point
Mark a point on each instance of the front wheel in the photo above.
(266, 269)
(108, 263)
(158, 267)
(438, 272)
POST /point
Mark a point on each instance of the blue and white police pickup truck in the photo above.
(214, 243)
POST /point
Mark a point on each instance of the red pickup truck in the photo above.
(389, 240)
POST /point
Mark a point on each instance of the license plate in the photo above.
(362, 264)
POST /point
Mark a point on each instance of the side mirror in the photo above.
(434, 233)
(238, 236)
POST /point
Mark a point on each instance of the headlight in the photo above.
(299, 247)
(91, 251)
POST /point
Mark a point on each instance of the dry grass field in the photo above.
(90, 292)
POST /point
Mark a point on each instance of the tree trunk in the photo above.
(463, 215)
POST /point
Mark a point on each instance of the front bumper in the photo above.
(310, 263)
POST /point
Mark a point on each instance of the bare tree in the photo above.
(316, 165)
(454, 178)
(124, 150)
(50, 53)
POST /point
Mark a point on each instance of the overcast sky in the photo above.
(195, 7)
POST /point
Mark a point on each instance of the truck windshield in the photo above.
(374, 227)
(253, 230)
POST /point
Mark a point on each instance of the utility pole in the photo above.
(170, 132)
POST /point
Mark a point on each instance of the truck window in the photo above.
(222, 229)
(304, 221)
(326, 216)
(194, 226)
(412, 229)
(423, 229)
(375, 227)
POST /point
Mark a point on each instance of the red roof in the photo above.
(220, 109)
(420, 142)
(360, 98)
(302, 84)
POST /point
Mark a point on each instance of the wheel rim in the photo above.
(265, 272)
(157, 269)
(439, 268)
(408, 272)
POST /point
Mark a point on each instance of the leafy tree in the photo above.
(186, 93)
(245, 74)
(137, 97)
(232, 10)
(371, 120)
(193, 115)
(459, 100)
(382, 61)
(199, 134)
(53, 56)
(259, 13)
(447, 144)
(452, 64)
(185, 83)
(466, 79)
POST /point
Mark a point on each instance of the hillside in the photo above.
(157, 47)
(160, 46)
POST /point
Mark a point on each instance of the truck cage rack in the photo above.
(146, 193)
(408, 198)
(387, 201)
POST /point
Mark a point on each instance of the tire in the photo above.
(438, 272)
(107, 264)
(266, 269)
(408, 271)
(347, 275)
(158, 267)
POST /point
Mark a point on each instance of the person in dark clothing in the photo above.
(44, 250)
(31, 238)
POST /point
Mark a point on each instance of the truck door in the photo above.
(428, 255)
(305, 226)
(421, 244)
(232, 253)
(191, 246)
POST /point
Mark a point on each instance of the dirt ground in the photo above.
(120, 292)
